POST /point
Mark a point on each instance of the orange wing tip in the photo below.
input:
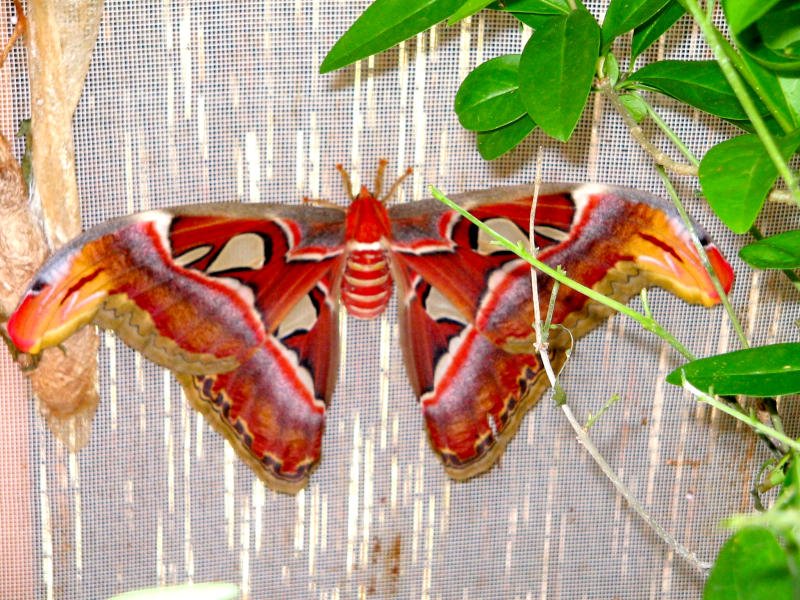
(672, 262)
(698, 284)
(49, 314)
(36, 325)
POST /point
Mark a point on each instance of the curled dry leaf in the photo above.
(60, 40)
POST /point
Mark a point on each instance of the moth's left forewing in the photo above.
(122, 276)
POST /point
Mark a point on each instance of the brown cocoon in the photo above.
(60, 38)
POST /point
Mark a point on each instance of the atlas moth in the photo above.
(241, 301)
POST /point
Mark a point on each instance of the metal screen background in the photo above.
(206, 101)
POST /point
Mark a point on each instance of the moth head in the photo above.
(65, 295)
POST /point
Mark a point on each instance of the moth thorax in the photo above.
(367, 283)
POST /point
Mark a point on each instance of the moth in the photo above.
(241, 303)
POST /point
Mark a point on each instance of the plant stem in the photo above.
(645, 322)
(780, 196)
(745, 72)
(560, 396)
(586, 441)
(743, 417)
(541, 337)
(673, 137)
(660, 157)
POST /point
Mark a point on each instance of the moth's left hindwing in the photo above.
(235, 299)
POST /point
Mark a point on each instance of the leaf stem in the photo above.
(647, 323)
(608, 404)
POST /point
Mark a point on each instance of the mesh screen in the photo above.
(208, 101)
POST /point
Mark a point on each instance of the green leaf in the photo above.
(469, 8)
(624, 15)
(384, 24)
(541, 7)
(780, 29)
(790, 489)
(736, 176)
(770, 123)
(493, 144)
(774, 91)
(772, 370)
(752, 565)
(791, 91)
(699, 83)
(556, 71)
(611, 68)
(197, 591)
(635, 105)
(489, 96)
(774, 38)
(740, 14)
(534, 21)
(770, 59)
(781, 251)
(648, 32)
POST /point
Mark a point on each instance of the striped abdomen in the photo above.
(367, 282)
